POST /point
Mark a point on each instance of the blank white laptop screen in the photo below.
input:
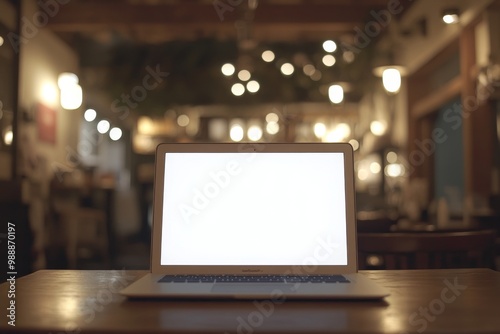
(254, 209)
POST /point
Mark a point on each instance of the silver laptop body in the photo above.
(254, 221)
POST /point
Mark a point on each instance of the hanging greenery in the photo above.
(195, 78)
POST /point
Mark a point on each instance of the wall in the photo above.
(413, 50)
(43, 57)
(420, 49)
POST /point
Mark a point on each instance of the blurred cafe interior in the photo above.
(89, 88)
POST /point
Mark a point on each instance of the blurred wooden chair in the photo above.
(87, 236)
(374, 221)
(433, 250)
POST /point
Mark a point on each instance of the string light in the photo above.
(287, 69)
(90, 115)
(268, 56)
(244, 75)
(253, 86)
(329, 60)
(329, 46)
(115, 134)
(238, 89)
(228, 69)
(103, 126)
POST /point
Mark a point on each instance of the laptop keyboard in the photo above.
(254, 279)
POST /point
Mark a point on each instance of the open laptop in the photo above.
(254, 221)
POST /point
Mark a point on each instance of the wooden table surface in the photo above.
(421, 301)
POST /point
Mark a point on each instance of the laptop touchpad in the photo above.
(249, 288)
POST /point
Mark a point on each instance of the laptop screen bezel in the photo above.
(163, 149)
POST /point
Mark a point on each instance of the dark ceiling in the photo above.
(191, 39)
(157, 21)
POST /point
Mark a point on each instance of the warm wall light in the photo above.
(338, 133)
(236, 131)
(145, 125)
(451, 16)
(8, 136)
(67, 79)
(391, 77)
(71, 93)
(378, 128)
(343, 129)
(319, 129)
(1, 40)
(49, 93)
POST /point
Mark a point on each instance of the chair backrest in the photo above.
(371, 222)
(92, 227)
(431, 250)
(87, 235)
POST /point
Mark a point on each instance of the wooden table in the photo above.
(429, 301)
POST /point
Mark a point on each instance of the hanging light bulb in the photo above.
(451, 16)
(329, 46)
(67, 79)
(336, 94)
(71, 92)
(391, 79)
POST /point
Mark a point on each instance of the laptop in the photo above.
(254, 221)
